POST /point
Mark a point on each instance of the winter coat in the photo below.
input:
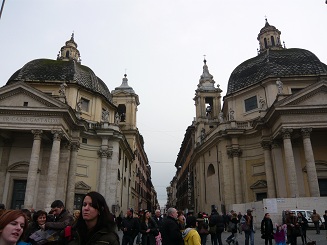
(101, 237)
(267, 228)
(64, 219)
(218, 221)
(191, 237)
(170, 232)
(148, 238)
(279, 236)
(132, 225)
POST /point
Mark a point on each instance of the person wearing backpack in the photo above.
(247, 227)
(216, 227)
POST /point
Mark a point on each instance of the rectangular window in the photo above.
(85, 104)
(251, 103)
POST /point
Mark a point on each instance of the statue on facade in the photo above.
(117, 118)
(203, 134)
(208, 111)
(62, 89)
(221, 117)
(262, 102)
(79, 106)
(231, 115)
(105, 115)
(279, 85)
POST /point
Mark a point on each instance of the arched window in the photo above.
(211, 170)
(272, 40)
(122, 112)
(266, 44)
(118, 174)
(67, 54)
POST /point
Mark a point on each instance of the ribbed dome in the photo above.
(47, 71)
(275, 63)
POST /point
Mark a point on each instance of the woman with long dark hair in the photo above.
(96, 224)
(149, 229)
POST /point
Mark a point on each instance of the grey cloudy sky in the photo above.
(161, 44)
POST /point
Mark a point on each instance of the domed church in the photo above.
(268, 138)
(63, 134)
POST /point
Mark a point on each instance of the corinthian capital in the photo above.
(103, 153)
(57, 134)
(234, 152)
(74, 145)
(286, 133)
(37, 133)
(306, 132)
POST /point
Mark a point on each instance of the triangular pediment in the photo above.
(311, 96)
(260, 184)
(21, 94)
(80, 185)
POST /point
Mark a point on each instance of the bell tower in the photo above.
(207, 103)
(127, 101)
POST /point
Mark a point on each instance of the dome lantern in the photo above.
(69, 51)
(269, 38)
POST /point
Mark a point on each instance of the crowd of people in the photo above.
(94, 225)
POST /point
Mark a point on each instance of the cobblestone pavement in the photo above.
(321, 238)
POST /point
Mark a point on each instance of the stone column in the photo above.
(269, 170)
(112, 169)
(32, 170)
(6, 149)
(290, 164)
(70, 196)
(235, 153)
(310, 163)
(103, 153)
(50, 192)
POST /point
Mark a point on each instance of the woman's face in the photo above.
(148, 215)
(12, 231)
(89, 213)
(41, 219)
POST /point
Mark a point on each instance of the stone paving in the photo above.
(321, 239)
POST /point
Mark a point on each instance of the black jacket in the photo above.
(132, 225)
(218, 221)
(170, 232)
(267, 228)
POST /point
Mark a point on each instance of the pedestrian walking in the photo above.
(267, 229)
(149, 229)
(170, 232)
(190, 234)
(130, 227)
(247, 227)
(315, 217)
(233, 229)
(216, 227)
(303, 223)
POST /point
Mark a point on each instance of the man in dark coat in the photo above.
(158, 219)
(170, 232)
(216, 227)
(62, 218)
(267, 229)
(130, 228)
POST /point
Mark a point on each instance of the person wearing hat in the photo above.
(249, 233)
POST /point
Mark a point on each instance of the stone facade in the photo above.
(61, 136)
(267, 139)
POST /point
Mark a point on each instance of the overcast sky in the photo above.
(161, 45)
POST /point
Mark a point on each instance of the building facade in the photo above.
(63, 134)
(267, 138)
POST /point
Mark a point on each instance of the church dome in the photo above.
(71, 72)
(273, 60)
(67, 68)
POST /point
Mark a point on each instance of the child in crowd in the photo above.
(280, 235)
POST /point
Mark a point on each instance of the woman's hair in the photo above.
(144, 216)
(7, 216)
(37, 214)
(105, 218)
